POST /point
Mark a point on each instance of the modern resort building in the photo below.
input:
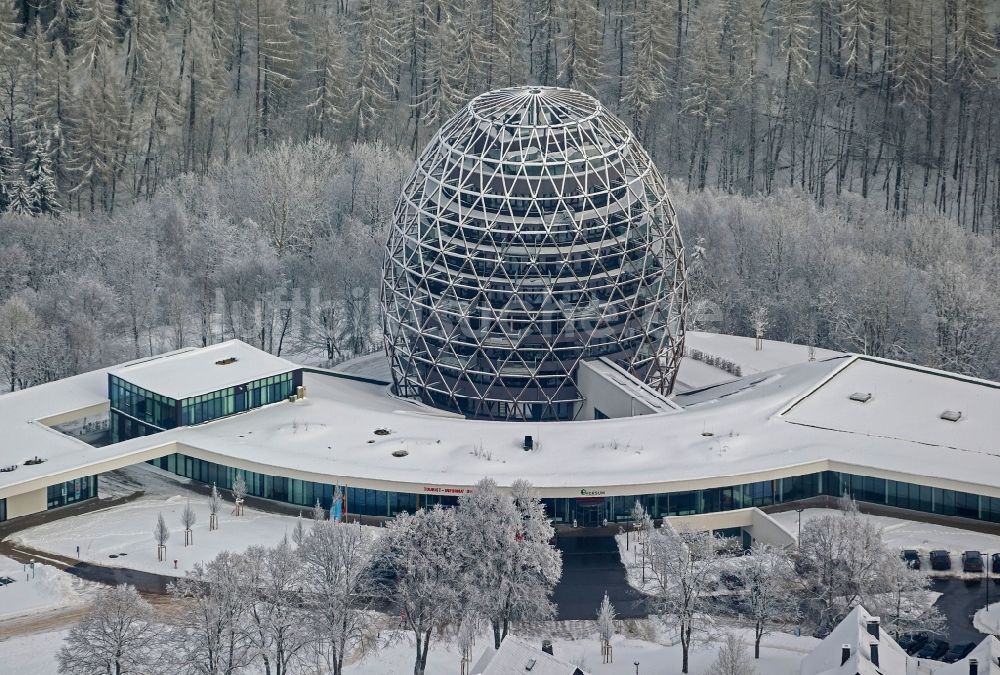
(534, 299)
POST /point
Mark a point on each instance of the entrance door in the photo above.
(590, 512)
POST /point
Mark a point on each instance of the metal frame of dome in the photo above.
(534, 232)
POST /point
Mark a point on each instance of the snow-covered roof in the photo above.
(517, 655)
(900, 401)
(854, 634)
(986, 654)
(790, 421)
(192, 372)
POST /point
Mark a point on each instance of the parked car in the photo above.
(972, 561)
(958, 652)
(996, 563)
(940, 560)
(911, 558)
(934, 649)
(912, 642)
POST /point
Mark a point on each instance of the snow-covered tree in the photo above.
(685, 567)
(188, 519)
(905, 601)
(161, 534)
(209, 634)
(733, 659)
(768, 596)
(581, 46)
(214, 505)
(39, 177)
(429, 590)
(843, 561)
(278, 627)
(117, 635)
(239, 492)
(318, 512)
(338, 565)
(9, 176)
(606, 625)
(94, 32)
(19, 325)
(378, 37)
(507, 554)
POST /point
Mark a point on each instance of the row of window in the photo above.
(137, 412)
(224, 402)
(3, 510)
(593, 510)
(72, 491)
(141, 404)
(124, 427)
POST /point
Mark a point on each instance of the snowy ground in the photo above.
(901, 534)
(44, 589)
(31, 654)
(987, 620)
(128, 528)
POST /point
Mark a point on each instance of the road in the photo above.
(959, 601)
(591, 566)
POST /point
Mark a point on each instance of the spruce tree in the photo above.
(8, 177)
(39, 180)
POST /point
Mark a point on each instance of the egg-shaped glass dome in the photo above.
(534, 233)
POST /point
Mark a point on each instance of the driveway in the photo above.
(959, 601)
(591, 566)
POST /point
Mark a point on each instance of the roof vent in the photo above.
(861, 396)
(226, 361)
(951, 415)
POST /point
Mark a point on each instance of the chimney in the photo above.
(547, 647)
(874, 653)
(873, 624)
(845, 653)
(973, 667)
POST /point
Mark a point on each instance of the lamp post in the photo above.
(636, 668)
(799, 537)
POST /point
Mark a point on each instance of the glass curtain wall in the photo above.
(137, 412)
(72, 491)
(593, 511)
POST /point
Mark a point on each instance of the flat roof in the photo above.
(789, 421)
(905, 402)
(192, 372)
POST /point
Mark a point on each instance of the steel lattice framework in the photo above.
(534, 233)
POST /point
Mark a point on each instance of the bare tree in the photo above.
(161, 533)
(338, 574)
(214, 504)
(188, 519)
(768, 594)
(685, 567)
(210, 633)
(117, 635)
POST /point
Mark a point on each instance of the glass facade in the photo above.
(593, 510)
(138, 412)
(3, 510)
(72, 491)
(534, 233)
